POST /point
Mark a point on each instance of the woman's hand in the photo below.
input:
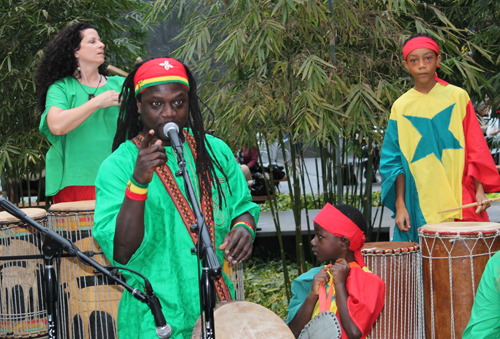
(108, 99)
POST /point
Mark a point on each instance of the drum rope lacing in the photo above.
(452, 237)
(398, 320)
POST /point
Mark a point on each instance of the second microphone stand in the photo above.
(205, 251)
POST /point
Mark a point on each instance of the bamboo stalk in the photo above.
(273, 203)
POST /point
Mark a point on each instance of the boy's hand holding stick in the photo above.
(470, 205)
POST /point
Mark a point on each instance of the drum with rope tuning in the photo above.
(88, 301)
(454, 255)
(22, 305)
(235, 274)
(398, 264)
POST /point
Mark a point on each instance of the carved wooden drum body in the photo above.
(454, 255)
(398, 264)
(22, 306)
(88, 302)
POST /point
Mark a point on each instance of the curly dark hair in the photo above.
(130, 125)
(58, 60)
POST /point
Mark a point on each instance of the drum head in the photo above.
(461, 227)
(84, 205)
(386, 245)
(324, 326)
(243, 320)
(33, 213)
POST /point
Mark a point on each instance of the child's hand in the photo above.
(402, 219)
(481, 207)
(321, 277)
(340, 271)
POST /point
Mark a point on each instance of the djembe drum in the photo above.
(88, 302)
(22, 306)
(235, 274)
(243, 320)
(398, 265)
(454, 255)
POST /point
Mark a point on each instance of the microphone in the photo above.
(171, 130)
(163, 330)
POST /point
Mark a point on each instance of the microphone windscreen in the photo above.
(170, 126)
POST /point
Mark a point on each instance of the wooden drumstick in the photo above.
(117, 71)
(469, 205)
(139, 59)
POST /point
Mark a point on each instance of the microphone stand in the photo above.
(205, 251)
(53, 242)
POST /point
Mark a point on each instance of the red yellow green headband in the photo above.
(336, 223)
(160, 71)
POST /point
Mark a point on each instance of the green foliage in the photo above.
(25, 29)
(284, 202)
(264, 284)
(481, 21)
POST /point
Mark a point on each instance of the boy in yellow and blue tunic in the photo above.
(434, 155)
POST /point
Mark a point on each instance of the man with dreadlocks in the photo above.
(142, 217)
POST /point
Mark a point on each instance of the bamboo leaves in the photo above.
(25, 29)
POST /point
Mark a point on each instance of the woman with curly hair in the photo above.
(80, 110)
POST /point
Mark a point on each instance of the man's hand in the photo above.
(340, 271)
(238, 245)
(149, 158)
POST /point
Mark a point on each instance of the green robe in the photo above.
(74, 158)
(484, 320)
(164, 256)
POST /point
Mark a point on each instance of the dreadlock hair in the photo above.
(59, 61)
(354, 214)
(130, 125)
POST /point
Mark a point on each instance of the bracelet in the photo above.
(136, 189)
(243, 224)
(135, 196)
(137, 184)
